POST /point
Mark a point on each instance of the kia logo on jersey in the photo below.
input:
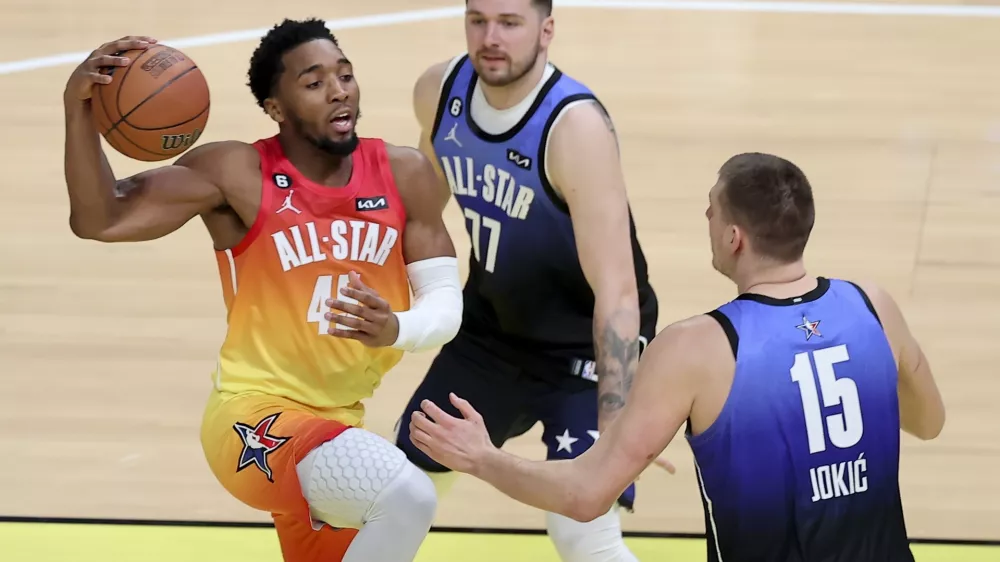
(520, 160)
(372, 203)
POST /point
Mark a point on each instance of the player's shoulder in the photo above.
(221, 157)
(416, 179)
(427, 89)
(405, 159)
(582, 123)
(877, 298)
(433, 76)
(232, 167)
(696, 350)
(691, 340)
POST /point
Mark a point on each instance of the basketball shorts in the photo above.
(511, 402)
(252, 443)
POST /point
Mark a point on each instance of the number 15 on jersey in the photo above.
(844, 429)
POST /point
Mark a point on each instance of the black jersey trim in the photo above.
(822, 286)
(868, 302)
(728, 328)
(513, 131)
(546, 130)
(449, 83)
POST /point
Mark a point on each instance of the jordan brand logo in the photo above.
(257, 444)
(287, 205)
(451, 135)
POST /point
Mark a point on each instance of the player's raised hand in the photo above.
(81, 82)
(457, 443)
(372, 321)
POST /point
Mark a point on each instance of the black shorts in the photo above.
(511, 401)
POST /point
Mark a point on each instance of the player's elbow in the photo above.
(617, 297)
(586, 508)
(86, 229)
(931, 426)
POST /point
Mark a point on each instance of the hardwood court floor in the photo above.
(124, 543)
(106, 350)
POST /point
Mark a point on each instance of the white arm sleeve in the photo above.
(436, 314)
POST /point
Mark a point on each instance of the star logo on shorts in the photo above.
(257, 444)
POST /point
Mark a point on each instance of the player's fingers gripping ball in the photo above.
(365, 316)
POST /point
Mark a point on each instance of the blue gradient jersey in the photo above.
(526, 293)
(802, 462)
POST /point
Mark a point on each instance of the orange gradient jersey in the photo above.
(297, 254)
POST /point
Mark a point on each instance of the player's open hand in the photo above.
(371, 319)
(457, 443)
(81, 83)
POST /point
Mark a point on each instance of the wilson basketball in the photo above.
(155, 108)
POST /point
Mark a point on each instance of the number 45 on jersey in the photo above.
(322, 291)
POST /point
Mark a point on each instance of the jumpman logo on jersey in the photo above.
(810, 328)
(287, 205)
(257, 444)
(452, 137)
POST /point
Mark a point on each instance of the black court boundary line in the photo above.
(460, 530)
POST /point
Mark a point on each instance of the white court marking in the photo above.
(394, 18)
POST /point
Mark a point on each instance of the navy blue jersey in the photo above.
(802, 462)
(526, 293)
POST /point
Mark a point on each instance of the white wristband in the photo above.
(436, 313)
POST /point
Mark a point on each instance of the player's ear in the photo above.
(273, 109)
(548, 31)
(734, 238)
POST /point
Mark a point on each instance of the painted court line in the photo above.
(395, 18)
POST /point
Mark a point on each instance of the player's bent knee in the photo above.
(599, 540)
(358, 476)
(410, 498)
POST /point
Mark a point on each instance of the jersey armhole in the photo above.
(450, 75)
(868, 302)
(543, 166)
(729, 329)
(384, 165)
(253, 230)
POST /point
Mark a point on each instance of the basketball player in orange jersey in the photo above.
(317, 234)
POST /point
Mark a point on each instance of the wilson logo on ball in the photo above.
(174, 142)
(160, 62)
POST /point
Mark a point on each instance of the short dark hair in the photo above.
(543, 6)
(266, 65)
(771, 198)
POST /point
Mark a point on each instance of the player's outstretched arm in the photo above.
(143, 207)
(921, 409)
(666, 386)
(585, 168)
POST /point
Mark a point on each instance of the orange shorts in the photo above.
(253, 443)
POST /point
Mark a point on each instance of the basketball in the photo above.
(155, 108)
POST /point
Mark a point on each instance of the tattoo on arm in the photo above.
(607, 118)
(607, 121)
(617, 360)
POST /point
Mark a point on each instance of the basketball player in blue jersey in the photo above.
(794, 395)
(556, 309)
